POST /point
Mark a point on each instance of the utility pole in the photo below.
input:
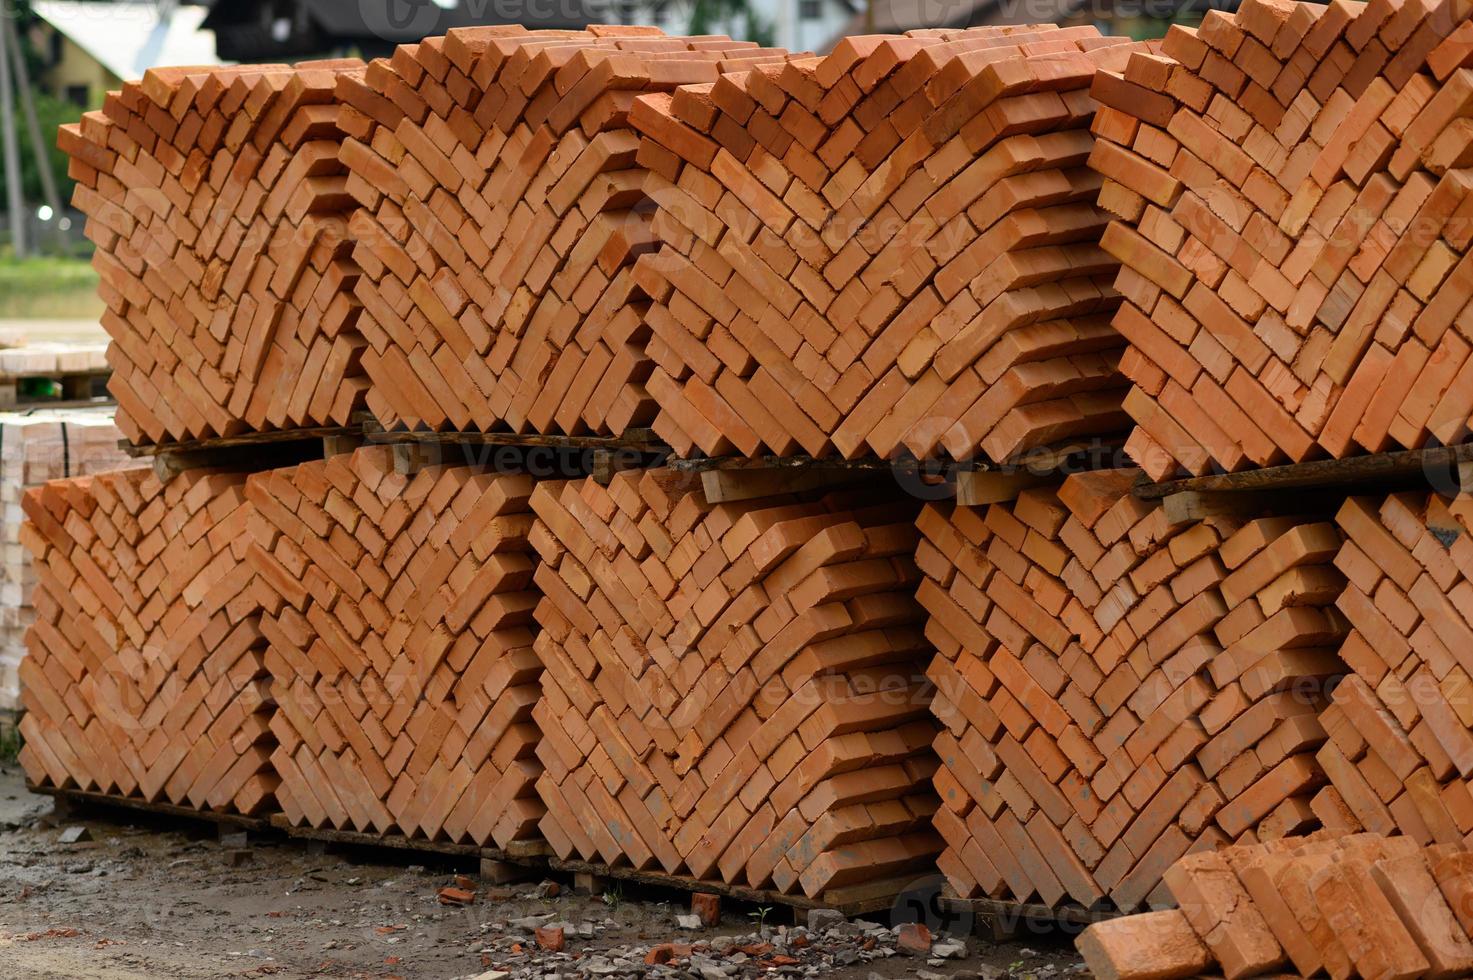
(33, 125)
(12, 146)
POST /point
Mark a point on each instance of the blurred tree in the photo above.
(51, 113)
(734, 17)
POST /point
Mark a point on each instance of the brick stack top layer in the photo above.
(1347, 905)
(145, 675)
(1401, 725)
(1115, 691)
(734, 689)
(892, 248)
(217, 204)
(399, 615)
(499, 182)
(1291, 191)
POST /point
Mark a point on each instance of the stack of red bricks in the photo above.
(398, 609)
(1359, 905)
(1288, 187)
(1116, 692)
(218, 207)
(1401, 726)
(146, 675)
(500, 188)
(893, 248)
(734, 690)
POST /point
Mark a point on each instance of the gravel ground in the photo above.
(145, 899)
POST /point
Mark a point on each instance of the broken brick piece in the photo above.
(1149, 946)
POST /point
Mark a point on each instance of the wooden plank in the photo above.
(1412, 467)
(861, 900)
(527, 853)
(248, 441)
(726, 486)
(640, 439)
(978, 488)
(78, 797)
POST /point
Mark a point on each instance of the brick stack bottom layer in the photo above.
(146, 674)
(1357, 905)
(1115, 692)
(399, 614)
(734, 690)
(1401, 725)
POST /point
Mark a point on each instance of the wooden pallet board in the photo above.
(1003, 921)
(854, 900)
(77, 797)
(533, 855)
(1409, 467)
(530, 853)
(77, 387)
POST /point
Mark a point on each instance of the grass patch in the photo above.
(11, 739)
(55, 288)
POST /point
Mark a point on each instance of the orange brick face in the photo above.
(901, 242)
(501, 207)
(147, 675)
(735, 689)
(1105, 708)
(219, 210)
(1330, 902)
(398, 611)
(1285, 179)
(1401, 725)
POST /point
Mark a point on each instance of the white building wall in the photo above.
(798, 25)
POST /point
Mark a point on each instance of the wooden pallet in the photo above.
(1409, 467)
(559, 455)
(79, 798)
(252, 452)
(531, 856)
(77, 388)
(1002, 921)
(854, 900)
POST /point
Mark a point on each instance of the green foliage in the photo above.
(706, 14)
(11, 742)
(45, 274)
(51, 113)
(61, 288)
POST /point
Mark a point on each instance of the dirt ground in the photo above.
(146, 899)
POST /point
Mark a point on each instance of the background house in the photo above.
(87, 48)
(291, 30)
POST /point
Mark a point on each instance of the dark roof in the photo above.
(1111, 16)
(253, 30)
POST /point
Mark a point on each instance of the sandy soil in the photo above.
(146, 899)
(16, 332)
